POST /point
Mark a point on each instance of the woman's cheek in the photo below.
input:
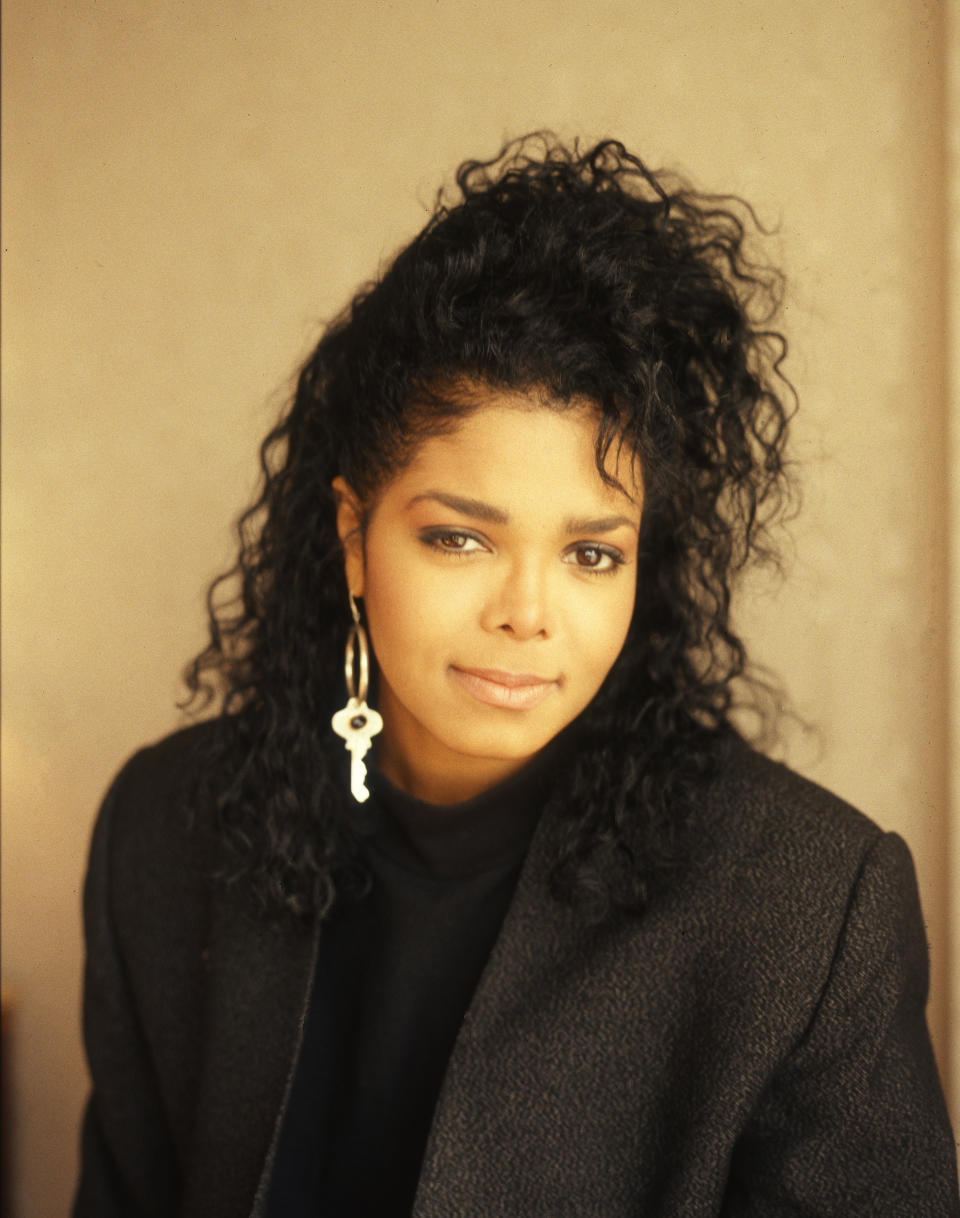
(601, 617)
(408, 606)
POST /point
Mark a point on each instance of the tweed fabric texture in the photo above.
(753, 1044)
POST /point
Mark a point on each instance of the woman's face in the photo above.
(498, 575)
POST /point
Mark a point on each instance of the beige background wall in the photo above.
(189, 189)
(952, 262)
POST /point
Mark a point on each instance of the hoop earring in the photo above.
(357, 723)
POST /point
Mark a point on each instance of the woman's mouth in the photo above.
(511, 690)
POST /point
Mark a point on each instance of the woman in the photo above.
(516, 924)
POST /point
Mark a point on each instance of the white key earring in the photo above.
(356, 722)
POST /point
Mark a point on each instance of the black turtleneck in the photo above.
(395, 974)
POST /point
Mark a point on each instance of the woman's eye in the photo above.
(598, 560)
(451, 541)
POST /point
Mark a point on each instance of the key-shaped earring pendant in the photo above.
(357, 724)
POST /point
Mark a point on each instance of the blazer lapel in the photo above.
(259, 976)
(538, 940)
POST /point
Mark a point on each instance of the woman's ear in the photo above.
(349, 527)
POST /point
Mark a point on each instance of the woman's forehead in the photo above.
(518, 445)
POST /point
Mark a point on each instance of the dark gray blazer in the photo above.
(754, 1044)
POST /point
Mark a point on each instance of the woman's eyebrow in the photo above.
(466, 507)
(486, 511)
(599, 524)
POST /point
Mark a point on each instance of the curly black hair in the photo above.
(579, 275)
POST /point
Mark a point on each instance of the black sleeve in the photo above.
(128, 1161)
(855, 1122)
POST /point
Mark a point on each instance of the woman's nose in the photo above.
(519, 605)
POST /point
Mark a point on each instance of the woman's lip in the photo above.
(512, 690)
(511, 679)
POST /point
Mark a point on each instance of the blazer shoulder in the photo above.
(760, 805)
(160, 776)
(164, 763)
(152, 830)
